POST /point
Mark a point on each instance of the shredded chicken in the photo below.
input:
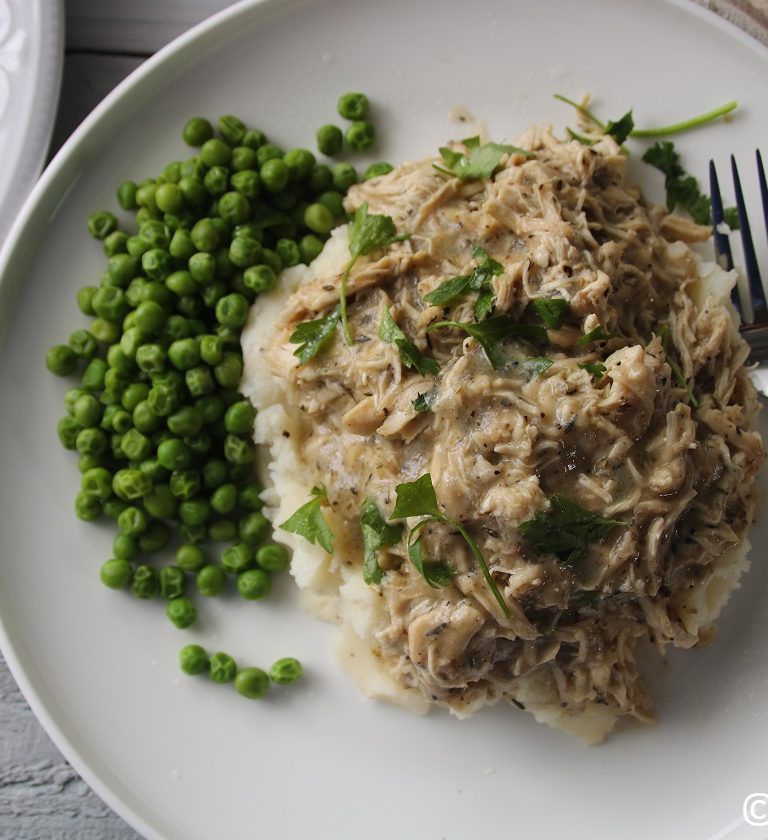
(671, 456)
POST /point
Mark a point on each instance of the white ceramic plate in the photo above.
(182, 758)
(31, 53)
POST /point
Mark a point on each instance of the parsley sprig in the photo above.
(377, 534)
(492, 334)
(312, 336)
(551, 311)
(480, 161)
(480, 280)
(410, 355)
(424, 402)
(417, 498)
(597, 370)
(596, 334)
(567, 530)
(308, 521)
(366, 233)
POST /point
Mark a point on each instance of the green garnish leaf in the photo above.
(567, 530)
(620, 129)
(377, 532)
(731, 217)
(416, 498)
(480, 162)
(436, 574)
(597, 370)
(448, 290)
(551, 311)
(597, 334)
(366, 233)
(424, 402)
(312, 336)
(536, 365)
(580, 138)
(308, 522)
(484, 304)
(410, 355)
(492, 333)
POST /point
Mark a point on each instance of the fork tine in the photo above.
(756, 290)
(763, 187)
(722, 243)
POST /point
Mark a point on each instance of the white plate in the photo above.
(31, 53)
(182, 758)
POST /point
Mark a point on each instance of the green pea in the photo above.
(84, 299)
(126, 195)
(196, 131)
(194, 192)
(210, 580)
(156, 263)
(144, 583)
(101, 224)
(222, 668)
(260, 278)
(204, 237)
(247, 182)
(214, 473)
(121, 269)
(216, 180)
(87, 411)
(162, 401)
(93, 375)
(344, 176)
(254, 584)
(87, 507)
(136, 246)
(268, 151)
(250, 497)
(90, 462)
(132, 521)
(116, 573)
(173, 454)
(181, 283)
(185, 484)
(181, 611)
(61, 360)
(310, 247)
(130, 484)
(243, 159)
(273, 558)
(244, 251)
(172, 582)
(329, 139)
(186, 421)
(286, 671)
(200, 381)
(288, 251)
(151, 358)
(193, 534)
(113, 507)
(125, 547)
(68, 430)
(318, 217)
(234, 208)
(229, 370)
(169, 198)
(115, 243)
(176, 328)
(91, 442)
(152, 468)
(133, 394)
(156, 537)
(135, 445)
(193, 660)
(252, 683)
(299, 163)
(155, 233)
(105, 331)
(253, 139)
(190, 558)
(239, 418)
(144, 419)
(223, 530)
(360, 136)
(121, 421)
(254, 528)
(225, 268)
(97, 482)
(145, 196)
(231, 129)
(274, 175)
(232, 310)
(181, 246)
(215, 152)
(239, 450)
(192, 168)
(191, 306)
(353, 106)
(195, 511)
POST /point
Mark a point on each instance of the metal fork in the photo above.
(754, 311)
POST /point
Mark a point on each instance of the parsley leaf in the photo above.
(597, 370)
(480, 280)
(424, 402)
(682, 188)
(536, 365)
(484, 304)
(448, 290)
(376, 534)
(481, 161)
(410, 355)
(416, 498)
(597, 334)
(551, 311)
(620, 129)
(366, 233)
(491, 333)
(312, 336)
(308, 521)
(567, 530)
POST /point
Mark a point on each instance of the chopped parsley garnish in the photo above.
(620, 129)
(597, 370)
(424, 402)
(597, 334)
(567, 530)
(551, 311)
(377, 533)
(312, 336)
(366, 233)
(491, 334)
(677, 372)
(480, 280)
(682, 188)
(480, 161)
(308, 521)
(410, 355)
(417, 498)
(536, 365)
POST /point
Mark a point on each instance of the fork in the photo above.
(754, 311)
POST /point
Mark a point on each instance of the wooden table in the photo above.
(41, 796)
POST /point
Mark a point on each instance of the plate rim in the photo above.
(143, 76)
